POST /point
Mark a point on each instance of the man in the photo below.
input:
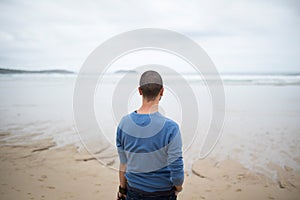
(150, 148)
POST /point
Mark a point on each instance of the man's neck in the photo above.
(148, 107)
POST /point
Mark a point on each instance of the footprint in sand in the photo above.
(43, 177)
(51, 187)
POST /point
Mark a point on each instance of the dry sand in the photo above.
(40, 170)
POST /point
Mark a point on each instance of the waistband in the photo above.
(152, 194)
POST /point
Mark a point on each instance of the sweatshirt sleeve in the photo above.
(120, 147)
(175, 160)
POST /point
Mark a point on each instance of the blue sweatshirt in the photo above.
(151, 147)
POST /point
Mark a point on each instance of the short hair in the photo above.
(151, 83)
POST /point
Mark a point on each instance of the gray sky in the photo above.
(239, 35)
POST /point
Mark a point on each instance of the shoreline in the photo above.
(41, 170)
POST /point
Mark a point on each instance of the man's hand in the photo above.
(178, 189)
(121, 196)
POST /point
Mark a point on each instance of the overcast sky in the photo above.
(241, 35)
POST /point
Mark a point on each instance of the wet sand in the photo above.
(38, 169)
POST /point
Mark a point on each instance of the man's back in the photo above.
(145, 142)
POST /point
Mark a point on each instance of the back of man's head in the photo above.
(151, 83)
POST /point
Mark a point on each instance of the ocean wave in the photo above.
(277, 79)
(50, 71)
(248, 79)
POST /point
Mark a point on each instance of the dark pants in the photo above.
(135, 194)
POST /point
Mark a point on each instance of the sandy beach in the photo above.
(41, 170)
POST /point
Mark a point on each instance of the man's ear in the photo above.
(161, 91)
(140, 91)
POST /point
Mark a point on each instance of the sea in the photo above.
(261, 123)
